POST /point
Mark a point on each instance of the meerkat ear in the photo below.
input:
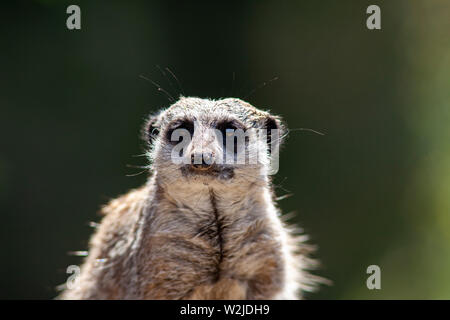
(150, 131)
(274, 138)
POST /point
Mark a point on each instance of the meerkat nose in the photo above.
(202, 161)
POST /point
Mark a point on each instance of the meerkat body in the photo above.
(208, 231)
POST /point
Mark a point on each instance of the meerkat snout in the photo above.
(206, 162)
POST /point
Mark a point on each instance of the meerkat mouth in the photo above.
(215, 171)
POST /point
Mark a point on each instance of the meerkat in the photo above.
(198, 230)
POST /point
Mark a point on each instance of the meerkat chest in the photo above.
(209, 248)
(213, 242)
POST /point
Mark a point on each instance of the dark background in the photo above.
(372, 190)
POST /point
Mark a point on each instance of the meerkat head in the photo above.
(213, 142)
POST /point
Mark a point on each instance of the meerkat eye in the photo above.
(228, 128)
(185, 124)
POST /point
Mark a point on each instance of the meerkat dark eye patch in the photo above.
(227, 128)
(179, 125)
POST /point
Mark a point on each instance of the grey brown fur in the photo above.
(185, 235)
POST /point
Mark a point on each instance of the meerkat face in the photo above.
(213, 142)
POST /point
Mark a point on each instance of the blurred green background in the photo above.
(373, 190)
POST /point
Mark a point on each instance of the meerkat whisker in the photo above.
(159, 88)
(176, 79)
